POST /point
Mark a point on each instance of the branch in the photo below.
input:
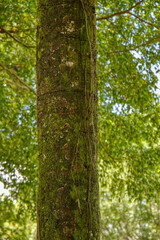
(12, 36)
(120, 13)
(10, 31)
(142, 20)
(133, 48)
(2, 30)
(16, 84)
(16, 76)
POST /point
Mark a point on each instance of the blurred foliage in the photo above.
(126, 219)
(129, 106)
(18, 151)
(129, 109)
(15, 222)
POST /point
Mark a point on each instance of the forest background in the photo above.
(128, 34)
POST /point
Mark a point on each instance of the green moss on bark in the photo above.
(68, 205)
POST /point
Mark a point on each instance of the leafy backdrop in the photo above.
(128, 56)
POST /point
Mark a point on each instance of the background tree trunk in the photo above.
(68, 204)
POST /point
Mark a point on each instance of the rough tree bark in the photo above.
(68, 205)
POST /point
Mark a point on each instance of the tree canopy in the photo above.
(128, 56)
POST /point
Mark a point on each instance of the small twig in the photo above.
(16, 76)
(120, 13)
(142, 20)
(10, 31)
(17, 40)
(135, 47)
(102, 6)
(30, 37)
(16, 84)
(16, 30)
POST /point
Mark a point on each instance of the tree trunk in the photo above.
(68, 204)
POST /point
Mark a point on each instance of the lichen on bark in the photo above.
(68, 204)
